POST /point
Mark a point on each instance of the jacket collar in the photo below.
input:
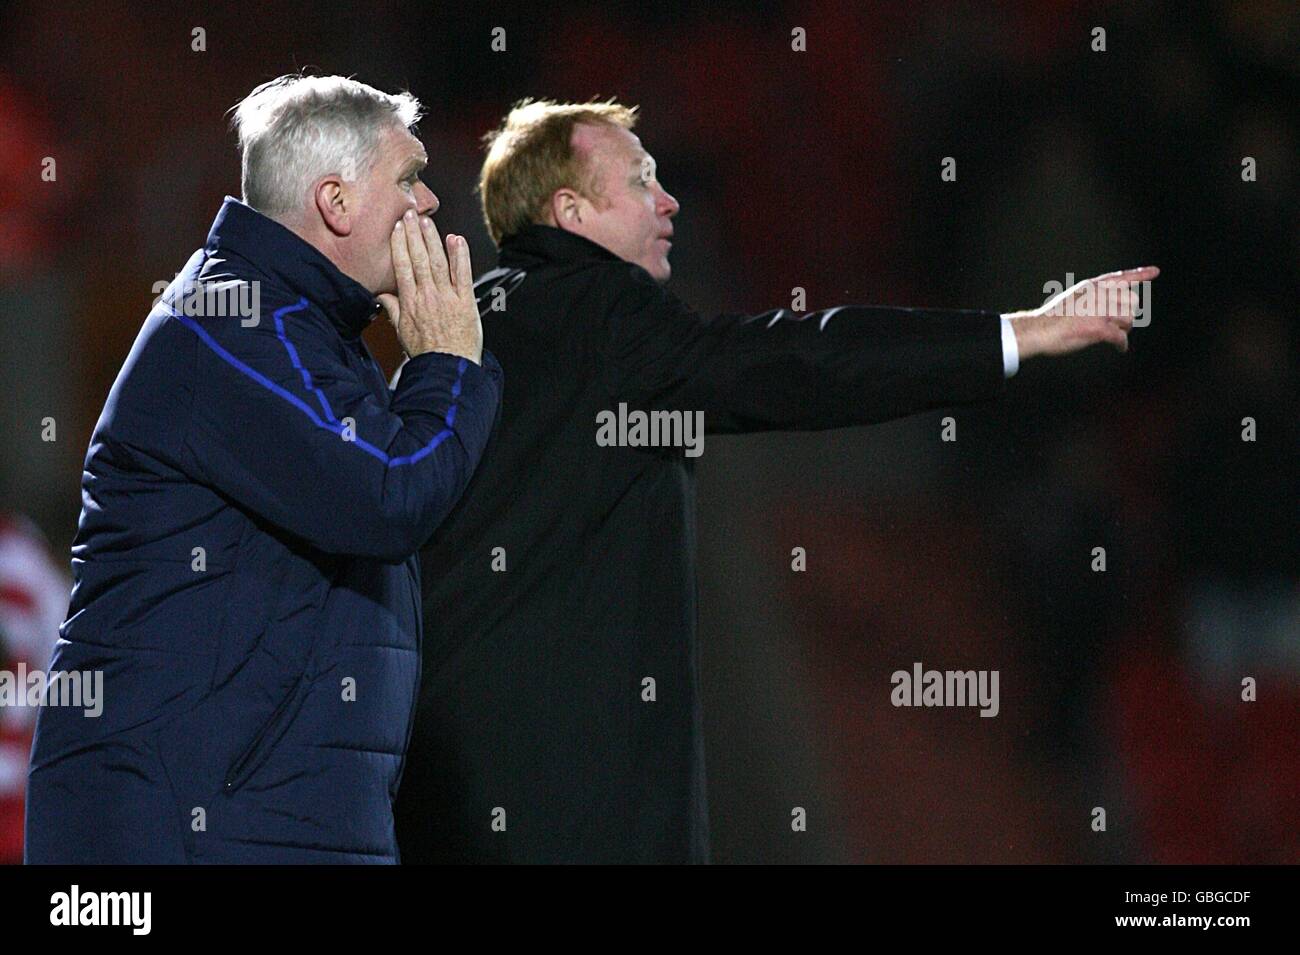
(549, 244)
(279, 253)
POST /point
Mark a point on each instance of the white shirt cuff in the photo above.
(1010, 351)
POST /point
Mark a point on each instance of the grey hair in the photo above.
(295, 129)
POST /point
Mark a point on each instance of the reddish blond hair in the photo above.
(530, 155)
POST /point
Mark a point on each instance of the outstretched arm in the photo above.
(839, 366)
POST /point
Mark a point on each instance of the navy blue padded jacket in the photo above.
(245, 571)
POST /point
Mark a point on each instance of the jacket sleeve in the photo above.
(280, 423)
(794, 371)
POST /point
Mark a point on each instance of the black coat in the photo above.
(533, 710)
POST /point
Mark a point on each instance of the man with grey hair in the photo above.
(254, 497)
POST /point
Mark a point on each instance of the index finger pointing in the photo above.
(1142, 274)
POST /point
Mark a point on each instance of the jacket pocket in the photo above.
(259, 747)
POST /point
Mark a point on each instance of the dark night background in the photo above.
(820, 170)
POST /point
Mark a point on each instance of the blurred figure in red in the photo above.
(33, 599)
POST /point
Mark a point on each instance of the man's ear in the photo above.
(334, 205)
(567, 209)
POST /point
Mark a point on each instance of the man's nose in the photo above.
(426, 202)
(668, 206)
